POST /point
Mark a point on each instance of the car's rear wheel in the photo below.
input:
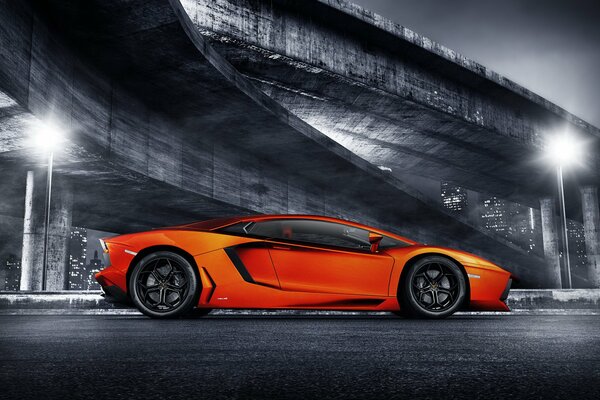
(164, 285)
(433, 287)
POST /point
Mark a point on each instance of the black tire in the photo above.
(433, 287)
(164, 285)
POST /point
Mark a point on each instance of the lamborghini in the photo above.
(294, 262)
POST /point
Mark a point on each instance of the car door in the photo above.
(325, 257)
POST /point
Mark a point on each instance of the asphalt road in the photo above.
(123, 357)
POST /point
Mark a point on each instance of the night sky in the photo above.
(551, 47)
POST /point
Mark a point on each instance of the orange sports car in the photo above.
(294, 262)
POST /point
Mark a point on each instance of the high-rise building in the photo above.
(454, 198)
(577, 251)
(94, 267)
(494, 215)
(522, 228)
(77, 258)
(513, 221)
(2, 275)
(12, 272)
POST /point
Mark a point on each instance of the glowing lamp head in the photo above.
(47, 136)
(564, 150)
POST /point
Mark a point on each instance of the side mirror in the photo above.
(374, 239)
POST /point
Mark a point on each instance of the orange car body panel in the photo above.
(311, 269)
(276, 274)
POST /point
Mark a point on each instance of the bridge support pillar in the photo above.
(32, 261)
(591, 227)
(550, 238)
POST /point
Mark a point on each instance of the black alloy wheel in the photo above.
(434, 287)
(164, 285)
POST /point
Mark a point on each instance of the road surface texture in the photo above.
(342, 357)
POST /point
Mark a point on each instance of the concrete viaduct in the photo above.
(179, 111)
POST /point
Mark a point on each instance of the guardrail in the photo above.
(77, 302)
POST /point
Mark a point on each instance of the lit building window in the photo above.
(454, 198)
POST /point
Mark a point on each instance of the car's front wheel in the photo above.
(164, 285)
(433, 287)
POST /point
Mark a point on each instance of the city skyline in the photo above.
(83, 266)
(517, 223)
(77, 257)
(83, 262)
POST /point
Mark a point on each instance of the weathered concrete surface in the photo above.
(544, 300)
(58, 300)
(34, 234)
(550, 239)
(32, 259)
(529, 299)
(59, 230)
(391, 96)
(591, 226)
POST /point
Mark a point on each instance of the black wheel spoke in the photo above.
(427, 295)
(169, 290)
(427, 278)
(170, 273)
(156, 275)
(426, 275)
(162, 296)
(452, 287)
(176, 287)
(423, 286)
(448, 293)
(434, 301)
(438, 278)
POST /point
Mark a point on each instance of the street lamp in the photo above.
(47, 136)
(564, 150)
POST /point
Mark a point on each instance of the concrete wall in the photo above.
(112, 125)
(321, 45)
(591, 224)
(53, 82)
(557, 301)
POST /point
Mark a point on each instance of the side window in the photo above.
(316, 232)
(268, 229)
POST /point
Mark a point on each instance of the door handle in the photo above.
(279, 247)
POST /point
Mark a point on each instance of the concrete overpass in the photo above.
(181, 111)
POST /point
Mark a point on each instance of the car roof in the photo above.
(214, 224)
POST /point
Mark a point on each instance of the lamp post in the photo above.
(47, 216)
(563, 218)
(46, 137)
(564, 150)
